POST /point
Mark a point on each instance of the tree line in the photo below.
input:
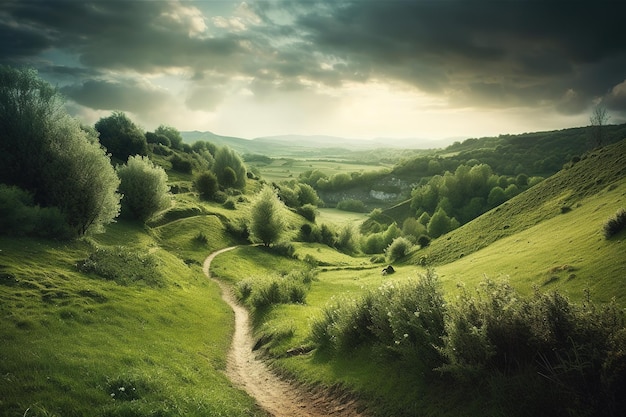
(60, 179)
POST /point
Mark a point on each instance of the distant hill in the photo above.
(312, 146)
(597, 171)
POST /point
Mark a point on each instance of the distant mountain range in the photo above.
(319, 146)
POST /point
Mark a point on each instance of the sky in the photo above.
(357, 69)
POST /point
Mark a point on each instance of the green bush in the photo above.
(144, 187)
(181, 164)
(615, 224)
(399, 248)
(123, 265)
(404, 320)
(230, 204)
(308, 211)
(263, 292)
(356, 206)
(19, 216)
(284, 248)
(206, 184)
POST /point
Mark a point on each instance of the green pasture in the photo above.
(284, 169)
(339, 217)
(77, 344)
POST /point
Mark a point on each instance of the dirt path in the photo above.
(278, 397)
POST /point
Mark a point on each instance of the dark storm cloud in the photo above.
(139, 35)
(511, 52)
(127, 95)
(475, 53)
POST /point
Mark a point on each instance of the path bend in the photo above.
(276, 396)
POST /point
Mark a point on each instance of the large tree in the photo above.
(268, 214)
(174, 136)
(47, 153)
(121, 137)
(226, 158)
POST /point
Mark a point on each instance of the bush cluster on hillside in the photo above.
(615, 224)
(578, 349)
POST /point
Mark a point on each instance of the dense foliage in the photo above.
(46, 153)
(577, 350)
(121, 137)
(229, 168)
(267, 216)
(144, 188)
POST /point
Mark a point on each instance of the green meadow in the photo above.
(283, 169)
(125, 323)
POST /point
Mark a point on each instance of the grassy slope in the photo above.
(76, 344)
(528, 239)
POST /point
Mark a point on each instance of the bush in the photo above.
(144, 186)
(181, 164)
(615, 224)
(308, 211)
(423, 241)
(230, 204)
(284, 248)
(405, 320)
(206, 184)
(19, 216)
(124, 266)
(399, 248)
(352, 205)
(263, 292)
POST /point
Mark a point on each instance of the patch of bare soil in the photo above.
(279, 397)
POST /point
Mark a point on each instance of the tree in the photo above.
(174, 136)
(80, 179)
(439, 224)
(268, 216)
(206, 184)
(121, 137)
(598, 119)
(144, 186)
(227, 158)
(47, 153)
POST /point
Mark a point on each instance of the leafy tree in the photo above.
(206, 184)
(496, 197)
(121, 137)
(174, 136)
(47, 153)
(29, 107)
(307, 195)
(348, 239)
(225, 158)
(267, 216)
(308, 211)
(439, 224)
(80, 179)
(144, 186)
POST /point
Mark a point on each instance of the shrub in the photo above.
(423, 241)
(352, 205)
(206, 184)
(263, 292)
(267, 223)
(399, 248)
(406, 320)
(19, 216)
(124, 266)
(348, 239)
(144, 186)
(284, 248)
(374, 243)
(121, 137)
(615, 224)
(230, 204)
(181, 164)
(308, 211)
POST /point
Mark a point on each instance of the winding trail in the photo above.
(278, 397)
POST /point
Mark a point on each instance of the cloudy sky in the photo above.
(357, 69)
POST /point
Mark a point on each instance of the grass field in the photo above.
(76, 344)
(288, 169)
(339, 217)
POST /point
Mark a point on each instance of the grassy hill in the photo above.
(125, 323)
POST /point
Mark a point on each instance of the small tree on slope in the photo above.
(268, 216)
